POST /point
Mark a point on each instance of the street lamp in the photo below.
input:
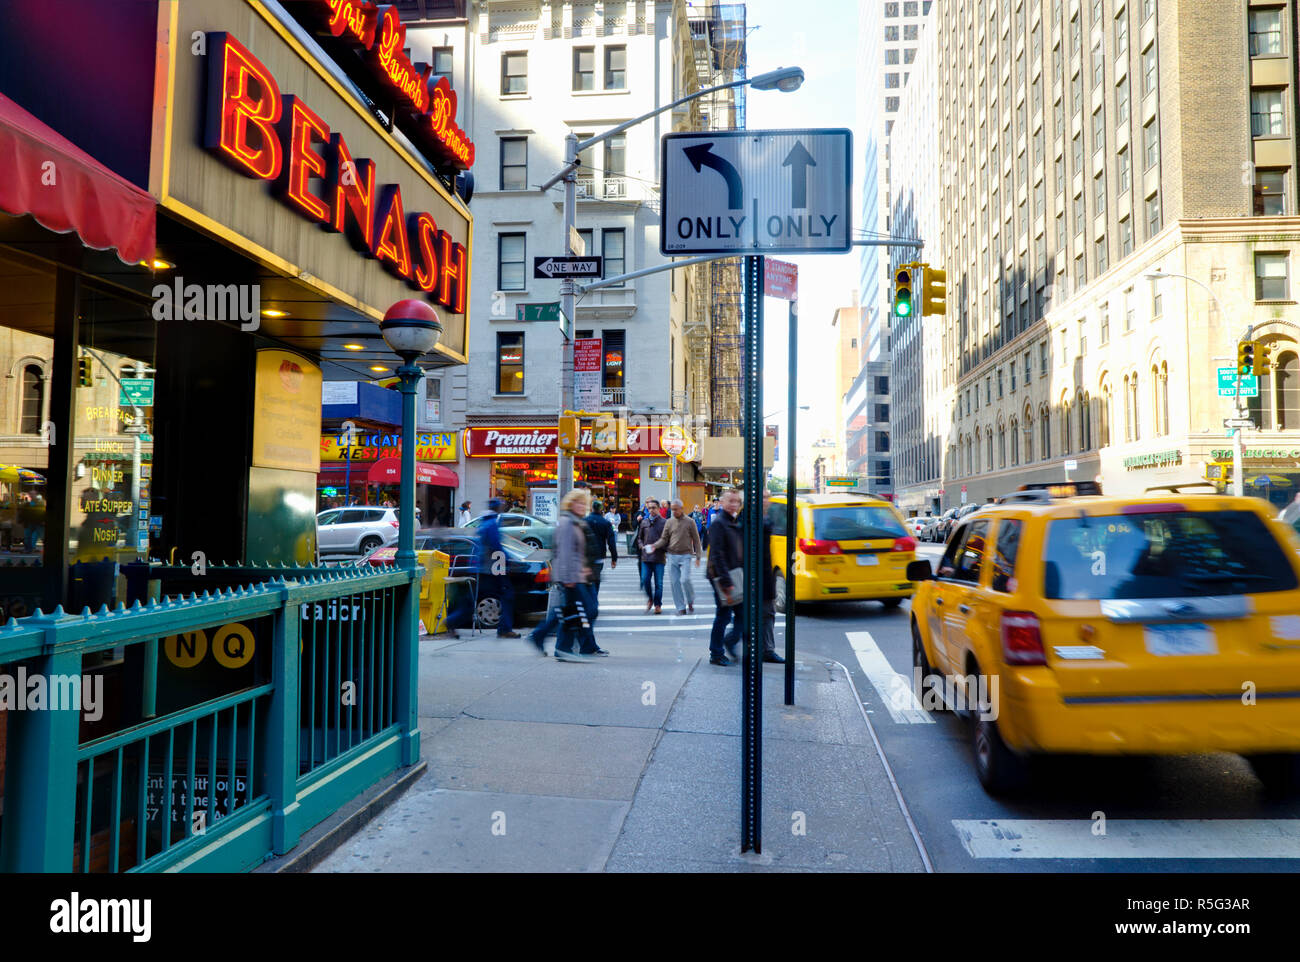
(410, 328)
(802, 407)
(1238, 441)
(784, 79)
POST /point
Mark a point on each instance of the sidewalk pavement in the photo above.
(630, 763)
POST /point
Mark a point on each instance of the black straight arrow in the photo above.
(799, 160)
(702, 155)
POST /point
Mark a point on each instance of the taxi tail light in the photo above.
(815, 546)
(904, 544)
(1022, 639)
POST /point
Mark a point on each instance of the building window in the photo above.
(1085, 423)
(1271, 277)
(1106, 414)
(1002, 447)
(891, 81)
(1121, 34)
(616, 68)
(909, 8)
(1151, 144)
(1121, 102)
(1270, 192)
(584, 68)
(443, 59)
(1149, 70)
(1098, 130)
(1157, 301)
(891, 10)
(510, 363)
(909, 55)
(1015, 443)
(1287, 391)
(589, 246)
(33, 400)
(615, 156)
(891, 57)
(1266, 32)
(1105, 324)
(1045, 432)
(514, 163)
(613, 249)
(911, 32)
(891, 34)
(1098, 66)
(1148, 8)
(514, 73)
(510, 262)
(1266, 112)
(1125, 171)
(614, 348)
(1102, 254)
(1125, 237)
(1066, 439)
(1153, 215)
(1099, 193)
(1080, 213)
(999, 382)
(1029, 437)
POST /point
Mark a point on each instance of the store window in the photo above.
(510, 362)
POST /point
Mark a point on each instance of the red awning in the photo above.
(65, 189)
(389, 471)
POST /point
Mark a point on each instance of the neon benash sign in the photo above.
(426, 111)
(276, 137)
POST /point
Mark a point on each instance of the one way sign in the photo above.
(756, 192)
(548, 267)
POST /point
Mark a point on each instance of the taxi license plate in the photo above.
(866, 560)
(1180, 640)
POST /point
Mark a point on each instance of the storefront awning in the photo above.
(389, 471)
(65, 189)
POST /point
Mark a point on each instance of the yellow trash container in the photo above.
(433, 591)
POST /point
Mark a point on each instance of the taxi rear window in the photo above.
(1163, 555)
(856, 522)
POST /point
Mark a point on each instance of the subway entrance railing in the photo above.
(203, 731)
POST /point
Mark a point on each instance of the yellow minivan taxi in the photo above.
(848, 547)
(1165, 624)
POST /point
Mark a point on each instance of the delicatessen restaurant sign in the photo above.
(429, 446)
(518, 440)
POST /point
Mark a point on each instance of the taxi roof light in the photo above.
(1153, 507)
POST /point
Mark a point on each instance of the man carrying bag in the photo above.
(726, 573)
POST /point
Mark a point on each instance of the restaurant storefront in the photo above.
(516, 463)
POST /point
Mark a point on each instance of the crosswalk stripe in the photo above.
(1181, 838)
(895, 690)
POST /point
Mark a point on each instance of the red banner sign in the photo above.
(427, 112)
(781, 279)
(273, 137)
(519, 441)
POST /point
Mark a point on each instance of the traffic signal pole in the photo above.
(1238, 436)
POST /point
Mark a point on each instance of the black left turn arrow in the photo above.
(702, 155)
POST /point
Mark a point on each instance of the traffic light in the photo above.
(85, 376)
(1246, 358)
(570, 433)
(934, 291)
(1263, 358)
(903, 292)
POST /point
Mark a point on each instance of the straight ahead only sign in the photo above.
(756, 192)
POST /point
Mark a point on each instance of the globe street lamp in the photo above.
(411, 328)
(784, 79)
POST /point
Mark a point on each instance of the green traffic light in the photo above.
(902, 308)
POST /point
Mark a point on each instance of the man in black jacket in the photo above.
(769, 589)
(726, 553)
(601, 539)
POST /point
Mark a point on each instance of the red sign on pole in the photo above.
(781, 279)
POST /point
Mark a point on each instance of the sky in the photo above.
(782, 34)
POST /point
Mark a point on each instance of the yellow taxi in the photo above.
(848, 547)
(1162, 624)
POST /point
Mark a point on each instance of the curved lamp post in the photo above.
(411, 328)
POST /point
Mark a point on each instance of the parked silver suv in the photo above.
(357, 530)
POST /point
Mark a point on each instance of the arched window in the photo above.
(1133, 395)
(1085, 422)
(1130, 398)
(33, 400)
(1163, 402)
(988, 449)
(1015, 443)
(1045, 432)
(1065, 427)
(1002, 446)
(1287, 391)
(1106, 414)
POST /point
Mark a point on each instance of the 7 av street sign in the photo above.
(756, 192)
(549, 267)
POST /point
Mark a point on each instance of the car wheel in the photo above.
(921, 666)
(370, 543)
(780, 591)
(1280, 773)
(532, 543)
(891, 603)
(1000, 770)
(489, 612)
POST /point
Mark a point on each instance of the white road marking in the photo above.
(895, 690)
(1130, 838)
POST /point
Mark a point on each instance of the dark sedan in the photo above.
(529, 569)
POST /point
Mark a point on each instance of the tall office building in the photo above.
(1090, 145)
(888, 38)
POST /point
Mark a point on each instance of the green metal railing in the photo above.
(315, 701)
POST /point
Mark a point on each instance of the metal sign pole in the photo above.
(751, 834)
(791, 512)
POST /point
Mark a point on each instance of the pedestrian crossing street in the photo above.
(622, 605)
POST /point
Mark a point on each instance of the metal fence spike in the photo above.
(59, 612)
(85, 612)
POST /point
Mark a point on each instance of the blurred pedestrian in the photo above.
(571, 570)
(726, 555)
(600, 541)
(681, 543)
(648, 532)
(494, 576)
(769, 589)
(464, 518)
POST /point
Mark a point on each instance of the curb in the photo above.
(317, 844)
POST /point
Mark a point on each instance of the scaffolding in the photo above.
(710, 52)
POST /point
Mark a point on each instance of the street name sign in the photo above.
(137, 391)
(756, 192)
(1228, 383)
(841, 482)
(546, 268)
(538, 312)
